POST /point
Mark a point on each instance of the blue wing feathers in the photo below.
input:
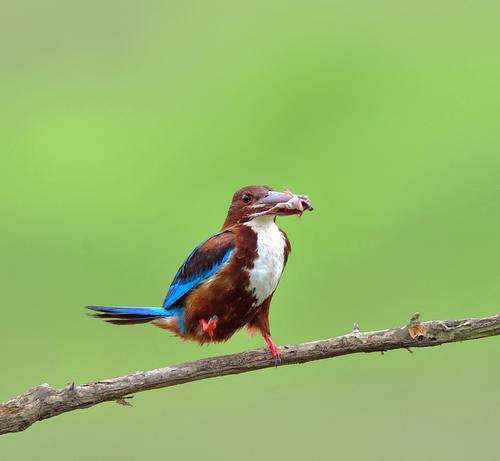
(203, 262)
(181, 286)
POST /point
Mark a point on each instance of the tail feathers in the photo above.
(119, 315)
(129, 321)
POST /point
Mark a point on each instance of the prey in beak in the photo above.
(282, 204)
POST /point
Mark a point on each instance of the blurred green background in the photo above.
(125, 127)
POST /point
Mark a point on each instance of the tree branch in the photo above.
(44, 402)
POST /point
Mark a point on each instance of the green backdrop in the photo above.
(125, 127)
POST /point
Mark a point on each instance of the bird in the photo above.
(227, 282)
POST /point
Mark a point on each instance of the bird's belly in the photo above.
(268, 266)
(233, 295)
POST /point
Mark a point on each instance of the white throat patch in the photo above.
(268, 266)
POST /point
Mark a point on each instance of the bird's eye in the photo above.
(246, 198)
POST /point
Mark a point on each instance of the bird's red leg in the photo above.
(210, 326)
(273, 348)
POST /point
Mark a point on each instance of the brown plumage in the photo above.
(228, 281)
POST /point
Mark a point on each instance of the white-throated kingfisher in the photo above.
(228, 281)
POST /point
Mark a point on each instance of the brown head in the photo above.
(253, 201)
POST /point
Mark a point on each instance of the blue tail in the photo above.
(129, 315)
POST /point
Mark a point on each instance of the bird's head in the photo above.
(253, 202)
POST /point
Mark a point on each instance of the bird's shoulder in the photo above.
(203, 262)
(246, 236)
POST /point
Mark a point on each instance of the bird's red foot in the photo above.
(274, 349)
(210, 326)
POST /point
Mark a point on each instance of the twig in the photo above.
(44, 402)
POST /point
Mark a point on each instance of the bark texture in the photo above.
(44, 402)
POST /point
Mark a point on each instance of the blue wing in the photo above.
(203, 262)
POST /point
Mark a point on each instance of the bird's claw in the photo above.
(210, 326)
(274, 350)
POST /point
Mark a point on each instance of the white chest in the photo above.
(267, 269)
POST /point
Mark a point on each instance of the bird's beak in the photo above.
(282, 204)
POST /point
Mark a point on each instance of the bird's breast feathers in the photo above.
(270, 261)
